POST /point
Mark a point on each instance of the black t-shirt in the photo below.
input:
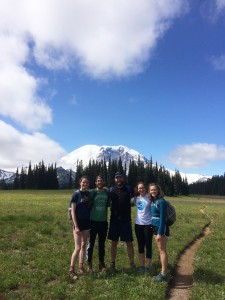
(120, 203)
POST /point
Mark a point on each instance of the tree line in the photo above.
(172, 185)
(46, 177)
(212, 186)
(40, 177)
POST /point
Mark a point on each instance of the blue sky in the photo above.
(148, 75)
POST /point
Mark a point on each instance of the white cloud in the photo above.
(103, 38)
(18, 89)
(106, 37)
(218, 63)
(17, 149)
(196, 155)
(220, 5)
(212, 10)
(73, 100)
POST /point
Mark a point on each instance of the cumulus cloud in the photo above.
(196, 155)
(18, 89)
(102, 39)
(17, 148)
(106, 37)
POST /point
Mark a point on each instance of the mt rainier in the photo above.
(98, 153)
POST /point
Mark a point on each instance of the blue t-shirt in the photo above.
(82, 202)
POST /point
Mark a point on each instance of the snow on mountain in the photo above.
(192, 177)
(7, 176)
(98, 153)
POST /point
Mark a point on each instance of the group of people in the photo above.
(90, 214)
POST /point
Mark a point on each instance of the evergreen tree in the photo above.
(16, 180)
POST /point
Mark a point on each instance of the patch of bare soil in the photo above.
(181, 284)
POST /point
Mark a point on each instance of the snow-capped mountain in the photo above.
(98, 153)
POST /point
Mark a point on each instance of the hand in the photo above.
(77, 230)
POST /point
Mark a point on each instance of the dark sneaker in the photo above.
(141, 270)
(160, 277)
(112, 268)
(133, 267)
(72, 275)
(102, 267)
(89, 268)
(147, 271)
(81, 271)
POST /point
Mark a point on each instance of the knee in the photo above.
(77, 249)
(83, 246)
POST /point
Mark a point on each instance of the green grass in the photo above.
(36, 243)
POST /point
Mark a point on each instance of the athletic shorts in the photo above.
(120, 230)
(155, 230)
(83, 224)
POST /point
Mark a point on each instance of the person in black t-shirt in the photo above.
(120, 219)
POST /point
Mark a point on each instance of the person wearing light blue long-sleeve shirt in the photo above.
(160, 228)
(159, 216)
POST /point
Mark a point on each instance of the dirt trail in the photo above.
(181, 284)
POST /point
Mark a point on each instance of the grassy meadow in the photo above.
(36, 243)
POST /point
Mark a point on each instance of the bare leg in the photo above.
(130, 251)
(161, 244)
(141, 257)
(84, 236)
(148, 262)
(113, 251)
(77, 241)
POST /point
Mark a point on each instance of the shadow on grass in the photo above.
(207, 276)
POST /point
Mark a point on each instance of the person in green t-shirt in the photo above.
(99, 225)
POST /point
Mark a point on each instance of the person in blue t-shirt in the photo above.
(81, 225)
(160, 228)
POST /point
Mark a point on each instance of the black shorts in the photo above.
(120, 229)
(83, 224)
(155, 230)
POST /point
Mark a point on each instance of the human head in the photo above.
(99, 181)
(84, 183)
(155, 191)
(119, 180)
(140, 189)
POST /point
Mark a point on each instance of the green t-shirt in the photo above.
(100, 203)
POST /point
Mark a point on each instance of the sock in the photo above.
(71, 268)
(81, 265)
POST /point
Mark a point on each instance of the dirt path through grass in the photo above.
(180, 286)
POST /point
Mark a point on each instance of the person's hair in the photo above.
(84, 177)
(136, 193)
(98, 177)
(160, 192)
